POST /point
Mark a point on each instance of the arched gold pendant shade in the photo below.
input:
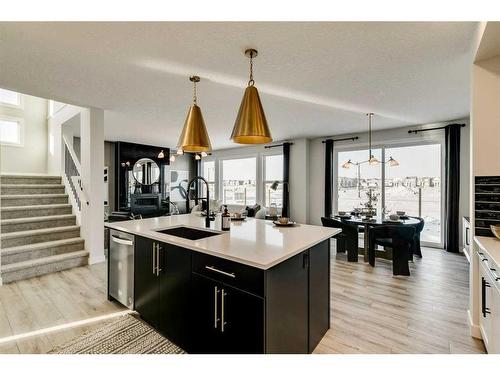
(194, 136)
(251, 126)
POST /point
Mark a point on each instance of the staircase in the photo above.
(39, 234)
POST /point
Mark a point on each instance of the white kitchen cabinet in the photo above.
(489, 299)
(466, 237)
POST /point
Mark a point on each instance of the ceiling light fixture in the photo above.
(251, 126)
(197, 157)
(172, 158)
(180, 152)
(161, 155)
(194, 136)
(372, 160)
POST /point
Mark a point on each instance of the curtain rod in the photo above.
(341, 139)
(425, 130)
(290, 143)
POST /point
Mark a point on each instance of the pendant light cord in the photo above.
(251, 82)
(370, 134)
(195, 102)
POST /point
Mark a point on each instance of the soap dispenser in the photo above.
(226, 219)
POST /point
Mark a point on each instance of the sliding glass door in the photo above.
(413, 186)
(358, 180)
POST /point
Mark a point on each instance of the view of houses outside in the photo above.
(414, 186)
(239, 181)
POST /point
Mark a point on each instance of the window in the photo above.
(209, 175)
(273, 171)
(239, 181)
(415, 186)
(359, 181)
(10, 131)
(10, 98)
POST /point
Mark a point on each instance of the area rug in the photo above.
(125, 335)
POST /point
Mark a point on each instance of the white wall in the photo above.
(31, 158)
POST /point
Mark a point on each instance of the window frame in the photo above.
(396, 144)
(10, 105)
(220, 175)
(20, 121)
(264, 167)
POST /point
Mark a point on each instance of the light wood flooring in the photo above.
(372, 312)
(51, 300)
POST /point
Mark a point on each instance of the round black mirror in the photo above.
(146, 171)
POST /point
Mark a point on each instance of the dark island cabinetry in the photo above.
(206, 304)
(162, 288)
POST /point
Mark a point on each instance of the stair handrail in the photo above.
(75, 181)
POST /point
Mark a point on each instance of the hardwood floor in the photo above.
(51, 300)
(372, 312)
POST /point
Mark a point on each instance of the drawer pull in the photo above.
(212, 268)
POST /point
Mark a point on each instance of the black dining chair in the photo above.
(401, 239)
(419, 227)
(347, 239)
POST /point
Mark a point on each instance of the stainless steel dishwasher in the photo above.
(121, 267)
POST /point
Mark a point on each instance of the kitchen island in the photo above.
(257, 288)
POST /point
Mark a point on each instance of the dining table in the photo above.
(376, 220)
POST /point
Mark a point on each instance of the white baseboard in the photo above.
(475, 330)
(97, 259)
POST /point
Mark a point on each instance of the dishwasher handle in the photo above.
(121, 241)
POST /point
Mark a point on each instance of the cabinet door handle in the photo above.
(305, 260)
(154, 258)
(213, 269)
(467, 236)
(216, 318)
(158, 269)
(223, 323)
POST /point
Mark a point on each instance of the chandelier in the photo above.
(372, 160)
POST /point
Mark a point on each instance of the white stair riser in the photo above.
(30, 212)
(18, 227)
(43, 237)
(18, 190)
(33, 201)
(40, 253)
(24, 180)
(29, 272)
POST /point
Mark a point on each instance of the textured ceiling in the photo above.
(315, 78)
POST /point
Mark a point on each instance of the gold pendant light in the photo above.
(250, 126)
(194, 136)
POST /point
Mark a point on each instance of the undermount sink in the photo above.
(187, 233)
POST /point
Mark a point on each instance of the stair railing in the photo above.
(71, 172)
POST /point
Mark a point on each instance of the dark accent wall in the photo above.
(126, 152)
(486, 204)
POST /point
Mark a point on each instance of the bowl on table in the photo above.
(496, 230)
(401, 213)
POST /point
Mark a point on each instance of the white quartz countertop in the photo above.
(491, 246)
(254, 242)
